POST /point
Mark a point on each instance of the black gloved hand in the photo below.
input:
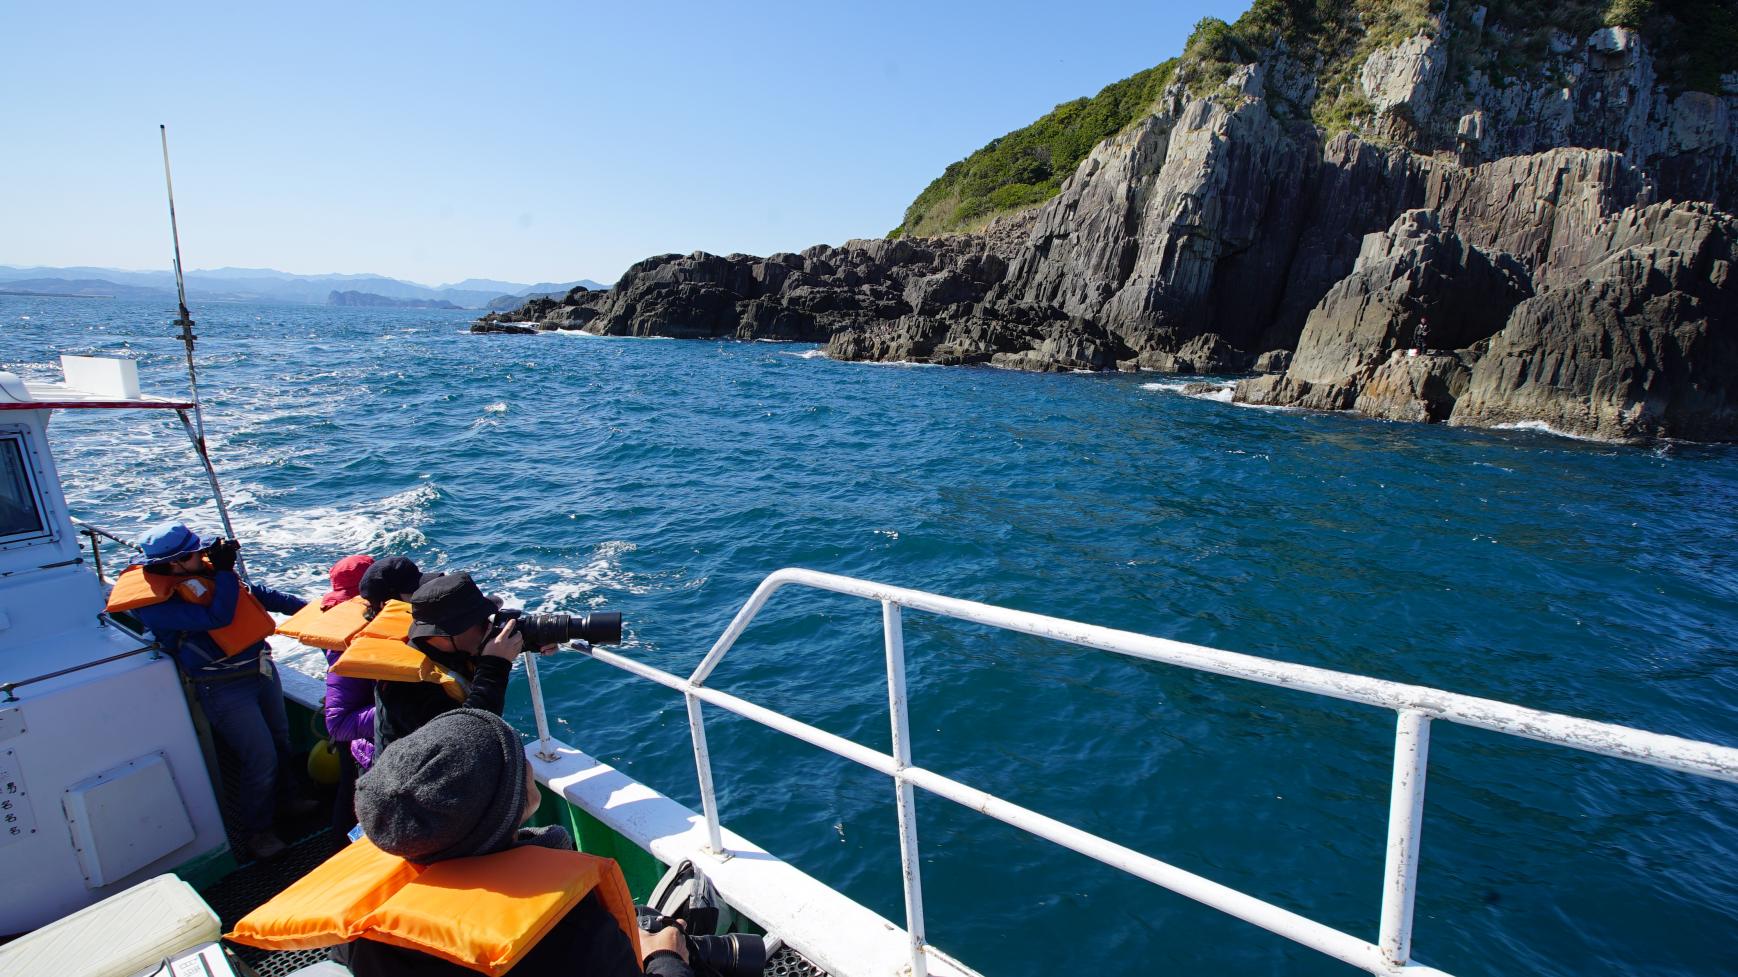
(222, 554)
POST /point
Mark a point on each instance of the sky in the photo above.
(527, 142)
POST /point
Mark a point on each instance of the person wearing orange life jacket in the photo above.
(348, 717)
(349, 699)
(447, 882)
(188, 596)
(450, 626)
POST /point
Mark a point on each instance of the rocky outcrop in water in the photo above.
(1537, 222)
(808, 296)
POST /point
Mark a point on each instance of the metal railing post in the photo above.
(703, 768)
(1405, 822)
(893, 632)
(96, 554)
(544, 753)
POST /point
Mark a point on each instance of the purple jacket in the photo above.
(350, 712)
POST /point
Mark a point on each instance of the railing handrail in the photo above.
(1415, 706)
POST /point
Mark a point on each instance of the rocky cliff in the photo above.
(1420, 229)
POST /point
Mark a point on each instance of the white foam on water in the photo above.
(386, 524)
(904, 363)
(1219, 394)
(1543, 428)
(553, 588)
(807, 354)
(498, 407)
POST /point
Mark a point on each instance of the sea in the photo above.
(666, 478)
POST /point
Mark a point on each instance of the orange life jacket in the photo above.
(329, 629)
(484, 913)
(380, 652)
(393, 621)
(299, 621)
(250, 625)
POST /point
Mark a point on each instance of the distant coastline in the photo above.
(370, 300)
(53, 295)
(268, 286)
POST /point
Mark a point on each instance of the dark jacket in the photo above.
(586, 943)
(181, 628)
(401, 708)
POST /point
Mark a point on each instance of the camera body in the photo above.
(540, 629)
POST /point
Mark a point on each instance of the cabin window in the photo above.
(20, 516)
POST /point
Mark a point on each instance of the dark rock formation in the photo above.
(504, 328)
(1638, 341)
(1412, 275)
(1633, 332)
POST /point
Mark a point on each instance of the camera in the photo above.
(602, 628)
(221, 553)
(729, 955)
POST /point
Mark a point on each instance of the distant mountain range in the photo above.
(261, 285)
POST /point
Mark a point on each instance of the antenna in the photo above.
(195, 427)
(186, 320)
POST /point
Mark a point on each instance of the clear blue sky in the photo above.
(527, 142)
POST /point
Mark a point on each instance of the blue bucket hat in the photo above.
(168, 541)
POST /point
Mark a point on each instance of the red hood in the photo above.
(346, 577)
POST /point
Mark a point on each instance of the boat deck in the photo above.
(248, 887)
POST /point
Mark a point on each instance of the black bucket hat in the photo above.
(447, 605)
(389, 578)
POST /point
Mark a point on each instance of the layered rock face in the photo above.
(1638, 339)
(1538, 227)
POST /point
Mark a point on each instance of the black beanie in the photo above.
(453, 788)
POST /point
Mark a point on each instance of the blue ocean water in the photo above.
(664, 479)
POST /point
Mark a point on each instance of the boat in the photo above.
(118, 863)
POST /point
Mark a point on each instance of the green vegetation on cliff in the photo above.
(1694, 43)
(1027, 166)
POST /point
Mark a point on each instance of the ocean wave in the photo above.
(1276, 408)
(387, 524)
(1543, 428)
(1221, 393)
(557, 587)
(807, 354)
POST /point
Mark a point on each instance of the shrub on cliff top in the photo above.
(1027, 166)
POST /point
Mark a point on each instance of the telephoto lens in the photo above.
(730, 955)
(538, 630)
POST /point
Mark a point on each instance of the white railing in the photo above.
(1414, 705)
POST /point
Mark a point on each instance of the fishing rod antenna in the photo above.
(196, 426)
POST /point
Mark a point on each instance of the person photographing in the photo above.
(447, 880)
(187, 594)
(450, 626)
